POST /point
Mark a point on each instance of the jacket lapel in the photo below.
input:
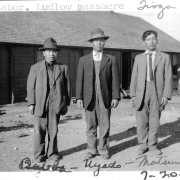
(157, 59)
(57, 72)
(90, 65)
(144, 65)
(103, 62)
(43, 72)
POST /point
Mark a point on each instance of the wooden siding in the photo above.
(63, 56)
(5, 75)
(16, 60)
(23, 58)
(75, 55)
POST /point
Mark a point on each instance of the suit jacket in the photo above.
(37, 87)
(108, 76)
(162, 77)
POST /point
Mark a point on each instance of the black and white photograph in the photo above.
(90, 89)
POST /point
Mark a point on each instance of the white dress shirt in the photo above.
(153, 61)
(97, 56)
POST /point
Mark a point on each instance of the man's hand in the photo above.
(79, 103)
(164, 101)
(114, 103)
(31, 109)
(132, 101)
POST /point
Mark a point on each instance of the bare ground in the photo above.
(16, 141)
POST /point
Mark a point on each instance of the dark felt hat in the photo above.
(49, 43)
(97, 33)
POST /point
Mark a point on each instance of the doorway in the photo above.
(126, 70)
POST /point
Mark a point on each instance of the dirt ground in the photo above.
(16, 141)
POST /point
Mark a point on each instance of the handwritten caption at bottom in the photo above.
(26, 164)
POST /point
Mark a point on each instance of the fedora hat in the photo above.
(97, 33)
(49, 43)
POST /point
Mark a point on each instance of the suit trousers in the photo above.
(148, 118)
(99, 116)
(46, 123)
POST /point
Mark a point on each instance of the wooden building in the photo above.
(22, 33)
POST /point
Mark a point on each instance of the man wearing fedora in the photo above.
(97, 90)
(48, 94)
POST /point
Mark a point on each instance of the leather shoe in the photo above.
(154, 152)
(105, 156)
(89, 155)
(54, 157)
(40, 159)
(141, 152)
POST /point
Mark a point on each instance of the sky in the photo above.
(169, 21)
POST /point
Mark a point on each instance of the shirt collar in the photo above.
(47, 62)
(95, 53)
(153, 52)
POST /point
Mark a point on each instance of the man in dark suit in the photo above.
(48, 93)
(150, 90)
(98, 90)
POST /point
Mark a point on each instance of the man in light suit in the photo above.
(150, 90)
(48, 93)
(98, 90)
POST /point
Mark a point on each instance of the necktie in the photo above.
(150, 67)
(50, 66)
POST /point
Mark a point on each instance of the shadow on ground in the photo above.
(172, 130)
(70, 118)
(74, 150)
(127, 144)
(2, 112)
(169, 131)
(20, 126)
